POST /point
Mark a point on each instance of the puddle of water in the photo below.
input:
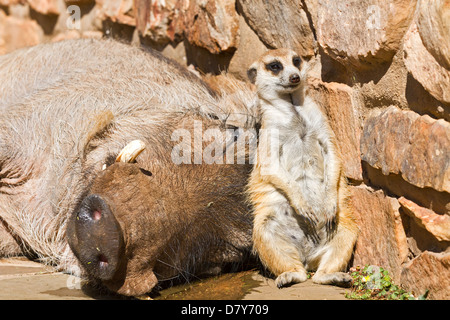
(230, 286)
(66, 292)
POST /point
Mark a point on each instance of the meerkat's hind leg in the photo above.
(290, 277)
(336, 254)
(276, 250)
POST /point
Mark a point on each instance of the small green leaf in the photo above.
(424, 296)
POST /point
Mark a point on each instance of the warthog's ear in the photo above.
(130, 152)
(251, 73)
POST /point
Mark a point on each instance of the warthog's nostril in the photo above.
(96, 215)
(102, 261)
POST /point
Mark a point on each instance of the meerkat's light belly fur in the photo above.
(303, 159)
(302, 155)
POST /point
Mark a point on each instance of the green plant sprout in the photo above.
(375, 283)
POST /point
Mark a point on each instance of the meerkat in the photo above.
(302, 217)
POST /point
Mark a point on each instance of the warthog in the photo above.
(66, 111)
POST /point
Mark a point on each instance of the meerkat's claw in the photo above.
(307, 213)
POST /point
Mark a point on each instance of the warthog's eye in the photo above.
(274, 66)
(110, 159)
(296, 61)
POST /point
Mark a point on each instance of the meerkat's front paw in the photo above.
(331, 207)
(290, 277)
(306, 212)
(330, 212)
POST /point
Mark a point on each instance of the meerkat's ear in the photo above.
(251, 73)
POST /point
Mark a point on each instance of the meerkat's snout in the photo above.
(294, 78)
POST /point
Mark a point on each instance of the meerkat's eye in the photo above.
(296, 61)
(274, 66)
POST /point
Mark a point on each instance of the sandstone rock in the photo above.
(176, 52)
(380, 92)
(281, 24)
(381, 240)
(438, 225)
(79, 1)
(74, 34)
(403, 142)
(15, 33)
(17, 10)
(249, 48)
(67, 35)
(400, 233)
(45, 6)
(362, 34)
(212, 25)
(419, 239)
(424, 68)
(159, 19)
(421, 101)
(428, 271)
(120, 11)
(339, 106)
(434, 29)
(8, 2)
(205, 61)
(92, 35)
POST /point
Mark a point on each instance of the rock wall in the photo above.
(381, 73)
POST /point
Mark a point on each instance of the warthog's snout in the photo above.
(96, 238)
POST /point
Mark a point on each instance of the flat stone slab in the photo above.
(21, 279)
(308, 290)
(39, 287)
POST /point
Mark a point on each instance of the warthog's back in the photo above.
(104, 69)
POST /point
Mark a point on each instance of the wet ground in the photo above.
(26, 280)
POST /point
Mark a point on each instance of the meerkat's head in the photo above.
(277, 72)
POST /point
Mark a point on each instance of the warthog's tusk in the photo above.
(131, 151)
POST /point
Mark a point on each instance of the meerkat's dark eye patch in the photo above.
(274, 66)
(296, 61)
